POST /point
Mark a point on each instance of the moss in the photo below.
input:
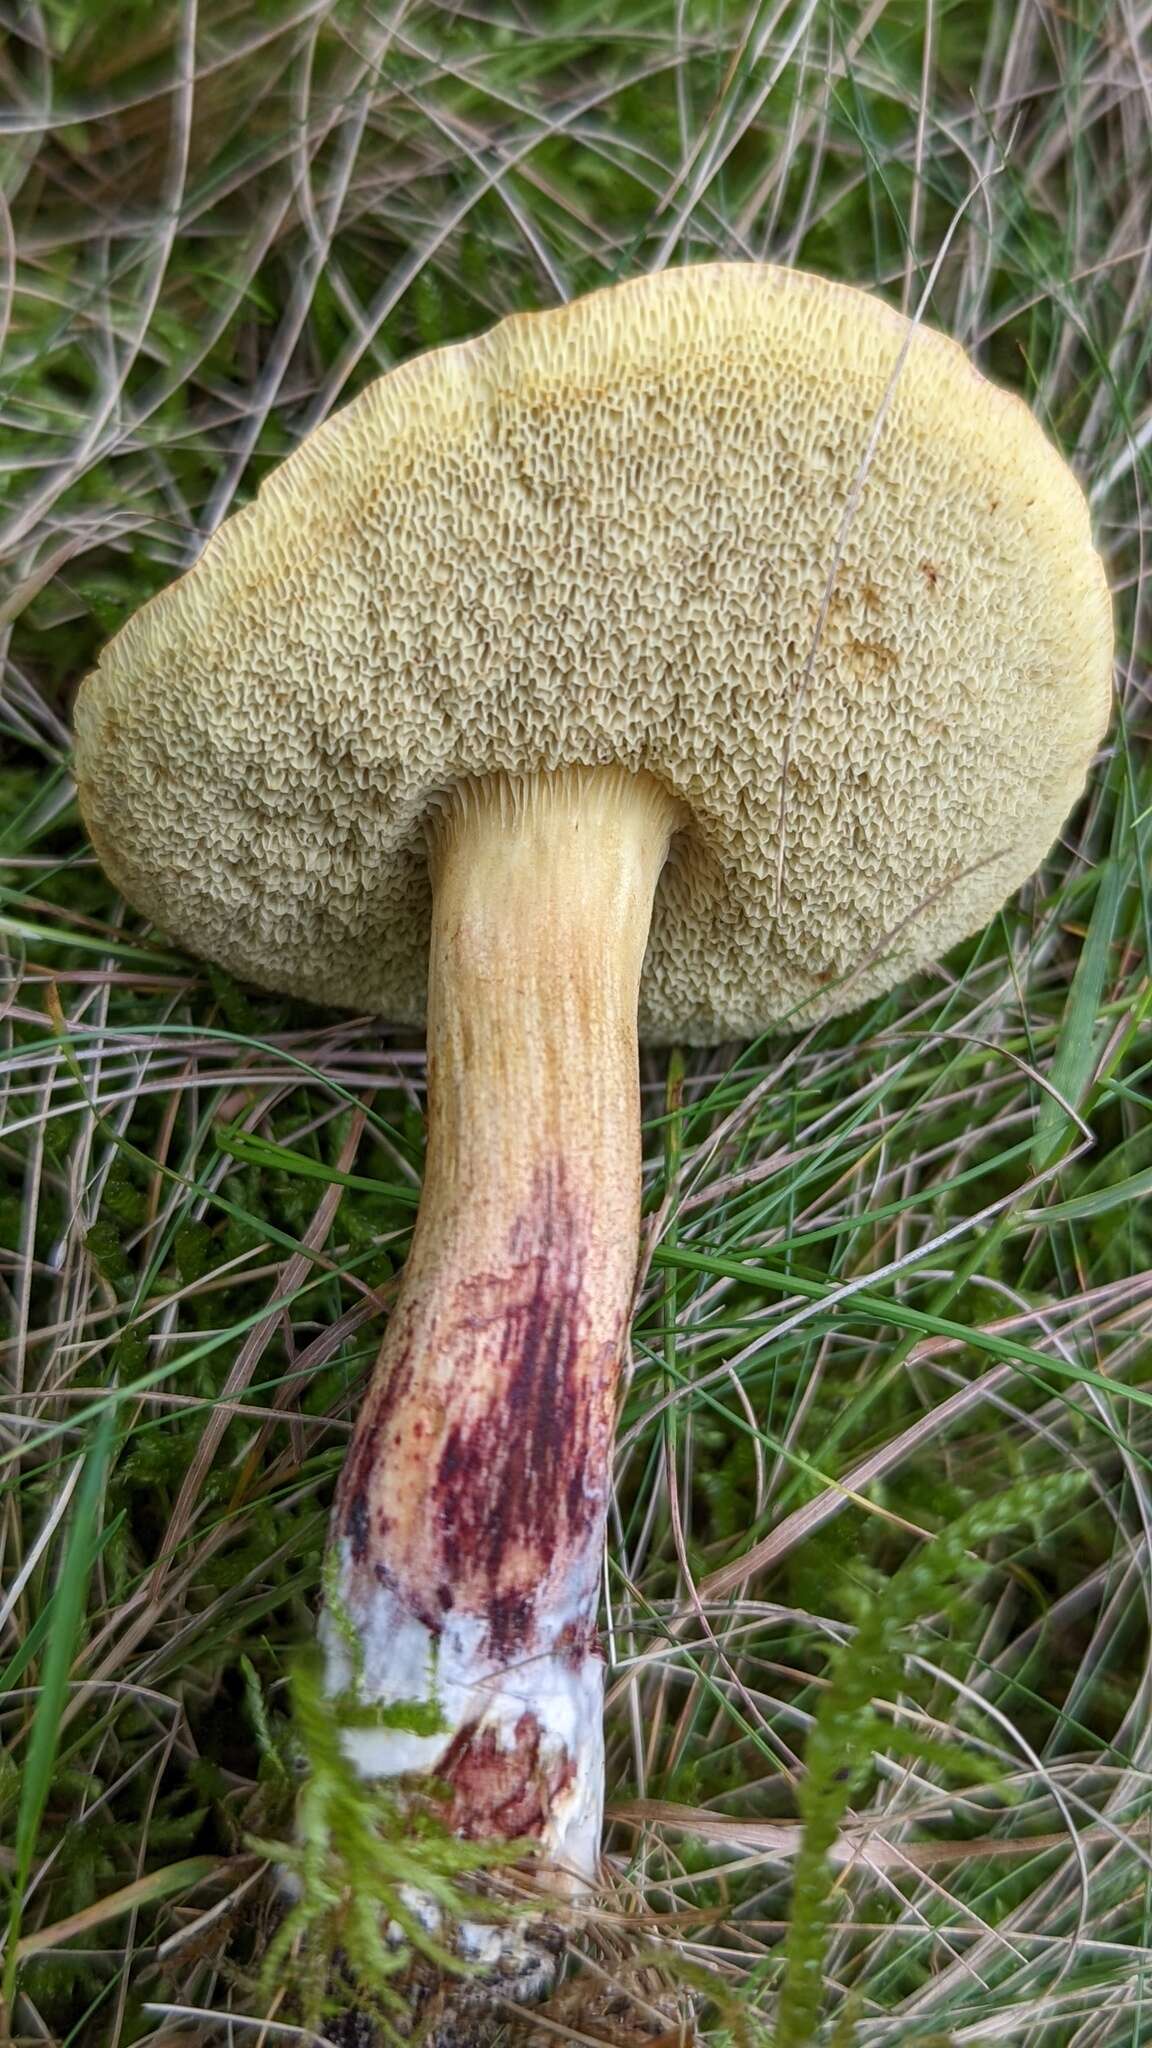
(847, 1728)
(380, 1881)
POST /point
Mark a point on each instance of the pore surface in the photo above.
(617, 532)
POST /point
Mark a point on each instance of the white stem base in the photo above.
(522, 1747)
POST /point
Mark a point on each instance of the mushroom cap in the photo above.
(747, 530)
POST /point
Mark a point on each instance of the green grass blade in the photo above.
(72, 1591)
(1079, 1041)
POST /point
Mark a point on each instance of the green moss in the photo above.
(381, 1880)
(847, 1728)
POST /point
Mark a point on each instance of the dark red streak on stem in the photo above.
(508, 1458)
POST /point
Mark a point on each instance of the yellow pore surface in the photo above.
(737, 526)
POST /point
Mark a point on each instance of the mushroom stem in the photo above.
(470, 1519)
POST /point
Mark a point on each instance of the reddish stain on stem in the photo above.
(502, 1792)
(510, 1477)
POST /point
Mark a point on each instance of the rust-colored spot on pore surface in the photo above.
(499, 1791)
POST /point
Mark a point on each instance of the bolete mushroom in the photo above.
(713, 651)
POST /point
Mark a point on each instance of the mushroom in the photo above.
(707, 654)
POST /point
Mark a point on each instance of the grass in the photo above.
(878, 1599)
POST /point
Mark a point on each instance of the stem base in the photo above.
(520, 1747)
